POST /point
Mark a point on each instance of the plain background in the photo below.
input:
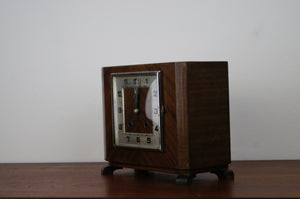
(51, 54)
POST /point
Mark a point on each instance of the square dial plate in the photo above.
(136, 108)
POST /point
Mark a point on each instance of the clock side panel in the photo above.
(107, 104)
(138, 157)
(208, 114)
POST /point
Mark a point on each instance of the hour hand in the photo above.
(136, 101)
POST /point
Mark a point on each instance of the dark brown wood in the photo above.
(208, 114)
(196, 135)
(182, 116)
(136, 122)
(253, 179)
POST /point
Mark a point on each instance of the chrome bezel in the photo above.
(115, 133)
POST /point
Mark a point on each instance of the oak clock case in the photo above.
(168, 117)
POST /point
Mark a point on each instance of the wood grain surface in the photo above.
(208, 114)
(253, 179)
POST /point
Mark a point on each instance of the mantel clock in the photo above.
(168, 117)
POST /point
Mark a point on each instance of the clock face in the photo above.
(136, 109)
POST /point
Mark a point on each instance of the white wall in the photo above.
(51, 53)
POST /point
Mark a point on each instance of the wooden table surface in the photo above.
(253, 179)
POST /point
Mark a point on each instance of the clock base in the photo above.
(182, 179)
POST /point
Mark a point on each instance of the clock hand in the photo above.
(136, 96)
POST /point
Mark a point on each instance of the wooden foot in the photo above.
(184, 179)
(141, 172)
(109, 170)
(224, 174)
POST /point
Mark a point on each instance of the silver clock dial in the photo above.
(136, 107)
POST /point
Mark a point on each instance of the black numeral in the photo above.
(128, 138)
(120, 126)
(120, 110)
(146, 80)
(119, 93)
(135, 81)
(138, 140)
(125, 82)
(155, 93)
(148, 140)
(156, 128)
(155, 110)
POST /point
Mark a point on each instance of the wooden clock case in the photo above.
(196, 126)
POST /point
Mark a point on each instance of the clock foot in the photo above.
(224, 174)
(108, 170)
(141, 172)
(184, 179)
